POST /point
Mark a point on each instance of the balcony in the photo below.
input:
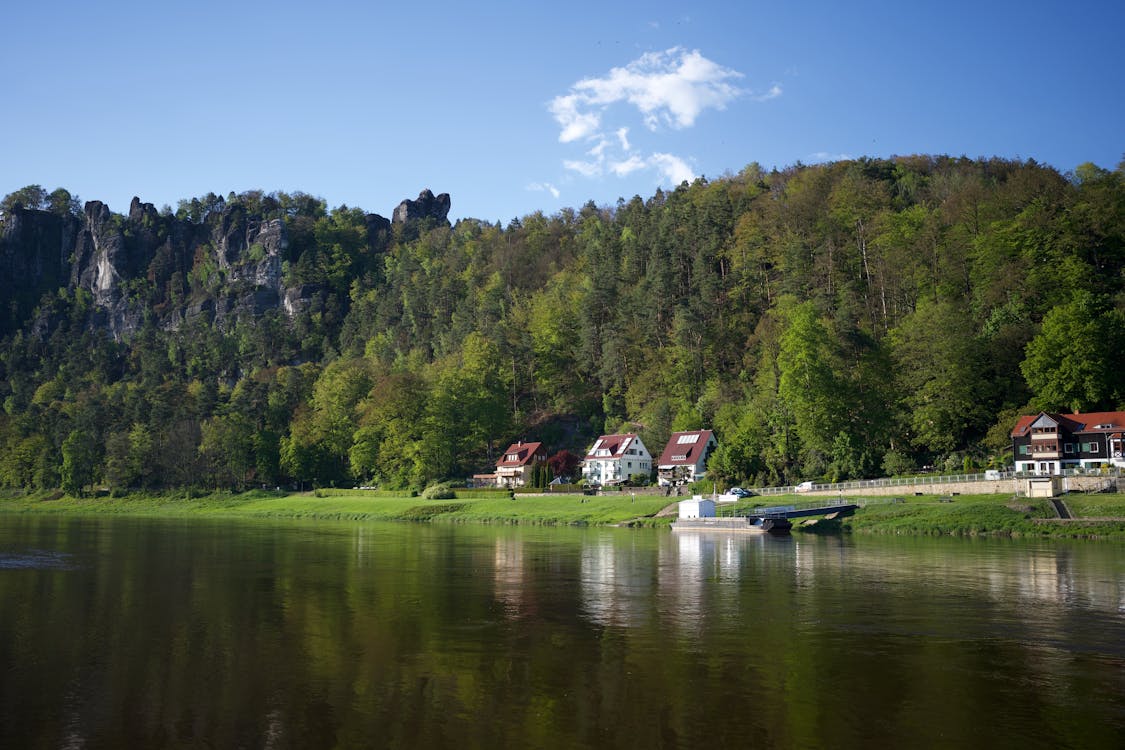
(1045, 450)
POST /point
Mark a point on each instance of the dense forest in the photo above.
(852, 319)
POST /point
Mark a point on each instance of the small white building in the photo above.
(697, 507)
(614, 459)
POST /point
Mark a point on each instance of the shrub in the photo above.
(440, 491)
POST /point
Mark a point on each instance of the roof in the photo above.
(614, 444)
(685, 448)
(524, 453)
(1089, 422)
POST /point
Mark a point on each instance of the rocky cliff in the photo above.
(229, 262)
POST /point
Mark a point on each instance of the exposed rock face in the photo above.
(378, 232)
(427, 206)
(224, 267)
(35, 250)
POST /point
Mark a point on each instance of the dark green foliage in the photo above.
(835, 321)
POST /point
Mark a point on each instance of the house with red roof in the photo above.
(1048, 444)
(516, 464)
(684, 459)
(614, 459)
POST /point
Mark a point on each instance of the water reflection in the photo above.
(615, 578)
(35, 559)
(508, 575)
(406, 635)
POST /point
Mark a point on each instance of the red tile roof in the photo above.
(1074, 423)
(682, 452)
(615, 444)
(524, 453)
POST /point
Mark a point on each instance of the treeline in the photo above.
(837, 321)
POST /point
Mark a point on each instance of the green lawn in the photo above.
(338, 505)
(994, 515)
(965, 515)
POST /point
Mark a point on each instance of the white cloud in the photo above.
(599, 149)
(823, 156)
(630, 165)
(575, 124)
(674, 169)
(773, 93)
(584, 168)
(664, 90)
(672, 87)
(541, 187)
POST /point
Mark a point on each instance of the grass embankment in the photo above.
(1095, 516)
(358, 506)
(1100, 516)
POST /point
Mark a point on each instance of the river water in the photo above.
(127, 633)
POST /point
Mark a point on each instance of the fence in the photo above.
(921, 481)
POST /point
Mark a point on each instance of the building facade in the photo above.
(1048, 444)
(684, 459)
(614, 459)
(516, 464)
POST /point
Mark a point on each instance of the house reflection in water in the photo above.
(508, 575)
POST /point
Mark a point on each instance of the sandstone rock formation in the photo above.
(225, 265)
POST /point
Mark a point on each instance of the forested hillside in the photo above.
(844, 320)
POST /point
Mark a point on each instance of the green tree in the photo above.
(808, 386)
(79, 462)
(31, 197)
(228, 450)
(1075, 362)
(940, 373)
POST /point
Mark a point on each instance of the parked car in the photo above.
(804, 487)
(740, 492)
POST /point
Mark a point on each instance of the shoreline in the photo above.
(1098, 517)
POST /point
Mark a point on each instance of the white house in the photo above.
(684, 459)
(614, 459)
(515, 467)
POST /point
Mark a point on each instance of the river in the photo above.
(137, 633)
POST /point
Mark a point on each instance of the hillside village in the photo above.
(1042, 445)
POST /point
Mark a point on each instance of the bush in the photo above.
(360, 492)
(897, 464)
(440, 491)
(485, 493)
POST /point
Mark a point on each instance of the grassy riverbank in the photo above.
(1100, 516)
(357, 506)
(965, 515)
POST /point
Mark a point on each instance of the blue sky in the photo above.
(513, 108)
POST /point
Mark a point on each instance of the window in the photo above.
(1091, 447)
(1068, 447)
(687, 439)
(1023, 450)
